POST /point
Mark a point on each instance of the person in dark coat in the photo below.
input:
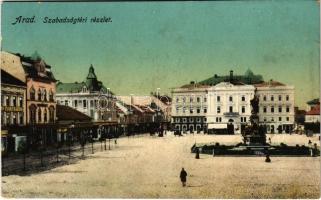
(183, 177)
(267, 158)
(197, 155)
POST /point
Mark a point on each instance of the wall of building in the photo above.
(12, 64)
(88, 103)
(43, 104)
(13, 105)
(189, 108)
(312, 118)
(235, 107)
(276, 107)
(229, 103)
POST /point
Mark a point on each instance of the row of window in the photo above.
(191, 110)
(15, 101)
(272, 109)
(191, 99)
(84, 103)
(184, 120)
(219, 119)
(12, 118)
(218, 98)
(37, 115)
(280, 98)
(230, 109)
(42, 94)
(279, 119)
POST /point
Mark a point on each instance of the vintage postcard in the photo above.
(160, 99)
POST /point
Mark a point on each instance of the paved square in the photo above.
(149, 167)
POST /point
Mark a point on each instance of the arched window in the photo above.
(45, 94)
(84, 89)
(51, 114)
(39, 94)
(45, 113)
(39, 115)
(51, 96)
(32, 93)
(32, 113)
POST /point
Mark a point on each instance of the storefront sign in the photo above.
(11, 109)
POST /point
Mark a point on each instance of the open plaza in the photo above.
(146, 166)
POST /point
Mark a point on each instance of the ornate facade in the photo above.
(41, 90)
(90, 97)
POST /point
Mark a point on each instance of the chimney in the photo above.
(231, 75)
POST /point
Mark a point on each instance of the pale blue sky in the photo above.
(166, 44)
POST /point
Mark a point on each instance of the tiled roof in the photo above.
(195, 85)
(314, 110)
(70, 87)
(7, 78)
(248, 78)
(91, 83)
(66, 113)
(269, 84)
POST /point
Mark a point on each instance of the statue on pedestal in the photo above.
(254, 133)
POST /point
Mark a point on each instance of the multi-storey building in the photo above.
(13, 107)
(41, 90)
(229, 106)
(90, 97)
(312, 116)
(276, 106)
(13, 100)
(30, 102)
(189, 107)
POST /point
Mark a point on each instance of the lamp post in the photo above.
(105, 133)
(101, 137)
(92, 141)
(69, 138)
(109, 136)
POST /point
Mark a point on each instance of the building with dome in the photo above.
(89, 96)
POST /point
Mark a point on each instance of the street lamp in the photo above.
(69, 138)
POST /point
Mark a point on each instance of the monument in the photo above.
(253, 133)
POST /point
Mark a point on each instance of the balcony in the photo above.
(231, 114)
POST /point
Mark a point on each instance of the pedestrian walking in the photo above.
(197, 155)
(182, 176)
(267, 158)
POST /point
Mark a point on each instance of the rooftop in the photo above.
(248, 78)
(314, 101)
(91, 83)
(195, 85)
(36, 67)
(7, 78)
(270, 83)
(66, 113)
(314, 110)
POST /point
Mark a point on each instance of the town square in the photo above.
(212, 100)
(148, 167)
